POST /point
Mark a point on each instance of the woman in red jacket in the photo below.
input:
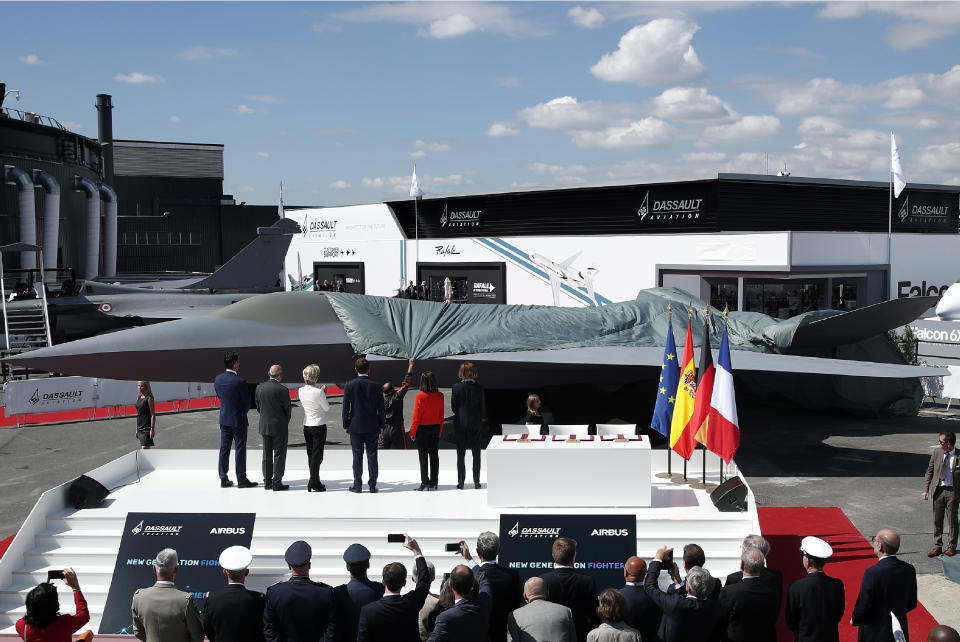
(43, 622)
(426, 427)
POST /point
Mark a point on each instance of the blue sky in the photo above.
(339, 100)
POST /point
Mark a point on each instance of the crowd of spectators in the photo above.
(482, 600)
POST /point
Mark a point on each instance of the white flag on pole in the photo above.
(899, 180)
(415, 190)
(280, 206)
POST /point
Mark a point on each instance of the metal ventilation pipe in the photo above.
(105, 134)
(51, 217)
(109, 230)
(27, 207)
(92, 264)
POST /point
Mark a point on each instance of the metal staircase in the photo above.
(27, 328)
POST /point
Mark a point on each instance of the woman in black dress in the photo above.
(467, 403)
(534, 418)
(146, 415)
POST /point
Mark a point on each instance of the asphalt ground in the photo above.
(872, 468)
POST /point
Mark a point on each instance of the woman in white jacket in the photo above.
(313, 398)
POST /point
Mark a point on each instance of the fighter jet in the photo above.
(101, 307)
(612, 344)
(562, 272)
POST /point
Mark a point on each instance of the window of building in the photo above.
(783, 298)
(723, 293)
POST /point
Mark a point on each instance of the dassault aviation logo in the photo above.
(443, 217)
(513, 531)
(136, 529)
(644, 207)
(35, 397)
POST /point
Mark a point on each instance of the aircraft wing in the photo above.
(555, 286)
(569, 261)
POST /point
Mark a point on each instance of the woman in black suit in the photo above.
(534, 418)
(467, 403)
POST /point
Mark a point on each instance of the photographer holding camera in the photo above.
(43, 622)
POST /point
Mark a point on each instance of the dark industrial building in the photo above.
(111, 208)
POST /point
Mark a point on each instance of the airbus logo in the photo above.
(228, 530)
(609, 532)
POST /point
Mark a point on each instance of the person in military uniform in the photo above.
(815, 603)
(234, 614)
(161, 613)
(299, 610)
(356, 593)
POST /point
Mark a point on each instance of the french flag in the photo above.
(723, 437)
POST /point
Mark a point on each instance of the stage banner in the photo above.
(53, 394)
(604, 542)
(198, 539)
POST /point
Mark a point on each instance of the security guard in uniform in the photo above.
(234, 614)
(355, 594)
(161, 613)
(299, 610)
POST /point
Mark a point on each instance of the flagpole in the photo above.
(726, 320)
(890, 234)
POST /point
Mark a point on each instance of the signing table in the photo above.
(552, 470)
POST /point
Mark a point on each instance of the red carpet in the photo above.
(122, 411)
(852, 554)
(5, 544)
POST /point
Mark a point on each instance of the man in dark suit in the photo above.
(693, 555)
(273, 402)
(505, 589)
(234, 398)
(768, 576)
(299, 610)
(815, 603)
(393, 618)
(355, 594)
(889, 586)
(468, 619)
(685, 618)
(942, 473)
(644, 614)
(363, 419)
(750, 607)
(573, 589)
(234, 614)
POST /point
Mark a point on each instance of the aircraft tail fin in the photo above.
(588, 277)
(255, 267)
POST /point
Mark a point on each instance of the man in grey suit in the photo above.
(540, 620)
(273, 403)
(161, 613)
(942, 473)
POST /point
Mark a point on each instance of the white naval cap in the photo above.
(816, 547)
(236, 558)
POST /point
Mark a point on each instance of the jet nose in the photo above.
(949, 306)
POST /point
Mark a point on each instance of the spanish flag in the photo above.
(681, 438)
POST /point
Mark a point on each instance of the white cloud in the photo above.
(905, 98)
(450, 27)
(646, 132)
(417, 155)
(31, 59)
(921, 23)
(340, 184)
(444, 20)
(451, 180)
(820, 126)
(432, 146)
(388, 183)
(176, 120)
(263, 154)
(244, 189)
(69, 124)
(264, 98)
(704, 157)
(692, 105)
(401, 184)
(586, 18)
(555, 170)
(325, 27)
(658, 53)
(203, 52)
(566, 113)
(509, 81)
(244, 110)
(747, 128)
(502, 128)
(138, 78)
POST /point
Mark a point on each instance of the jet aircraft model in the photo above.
(562, 272)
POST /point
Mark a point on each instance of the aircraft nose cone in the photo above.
(949, 306)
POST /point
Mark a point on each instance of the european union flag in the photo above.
(667, 388)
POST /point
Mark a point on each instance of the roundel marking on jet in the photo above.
(106, 307)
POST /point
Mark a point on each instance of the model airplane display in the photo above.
(514, 346)
(100, 307)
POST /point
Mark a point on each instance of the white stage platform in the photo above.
(56, 535)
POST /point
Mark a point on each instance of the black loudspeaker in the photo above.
(86, 492)
(730, 496)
